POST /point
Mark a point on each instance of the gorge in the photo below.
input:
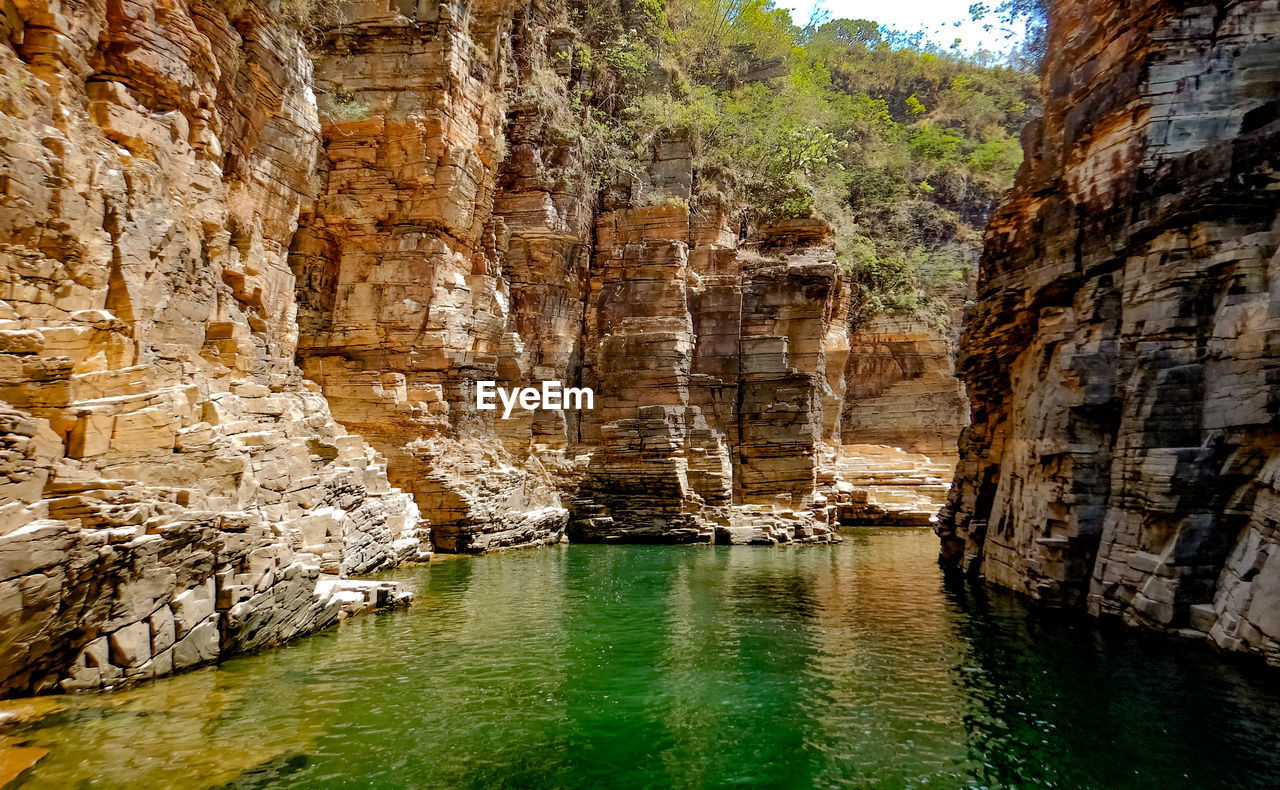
(262, 264)
(184, 219)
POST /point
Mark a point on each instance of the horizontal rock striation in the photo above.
(709, 361)
(174, 487)
(404, 302)
(882, 485)
(902, 388)
(903, 411)
(1123, 450)
(431, 262)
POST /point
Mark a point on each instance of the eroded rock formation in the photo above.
(432, 263)
(404, 305)
(903, 410)
(902, 388)
(174, 487)
(1123, 453)
(711, 365)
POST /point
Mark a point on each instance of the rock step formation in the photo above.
(885, 486)
(1123, 452)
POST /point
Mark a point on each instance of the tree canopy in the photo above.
(902, 146)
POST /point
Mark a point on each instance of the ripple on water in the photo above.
(850, 665)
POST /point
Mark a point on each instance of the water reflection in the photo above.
(843, 666)
(1057, 701)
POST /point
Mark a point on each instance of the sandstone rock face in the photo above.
(1123, 451)
(710, 363)
(431, 263)
(174, 488)
(403, 300)
(903, 412)
(903, 390)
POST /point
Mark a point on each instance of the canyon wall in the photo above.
(174, 488)
(1123, 452)
(711, 365)
(902, 388)
(432, 262)
(403, 300)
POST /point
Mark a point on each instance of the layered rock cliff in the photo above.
(174, 487)
(1123, 451)
(433, 262)
(711, 363)
(404, 305)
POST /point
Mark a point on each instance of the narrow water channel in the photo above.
(588, 666)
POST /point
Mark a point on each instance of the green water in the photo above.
(588, 666)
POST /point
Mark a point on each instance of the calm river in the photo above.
(617, 667)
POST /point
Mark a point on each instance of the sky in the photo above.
(938, 18)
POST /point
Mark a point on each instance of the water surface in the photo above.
(588, 666)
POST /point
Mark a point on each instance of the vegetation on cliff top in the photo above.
(902, 147)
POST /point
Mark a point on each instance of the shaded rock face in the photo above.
(902, 388)
(173, 487)
(1123, 451)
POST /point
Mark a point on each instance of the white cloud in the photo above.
(942, 20)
